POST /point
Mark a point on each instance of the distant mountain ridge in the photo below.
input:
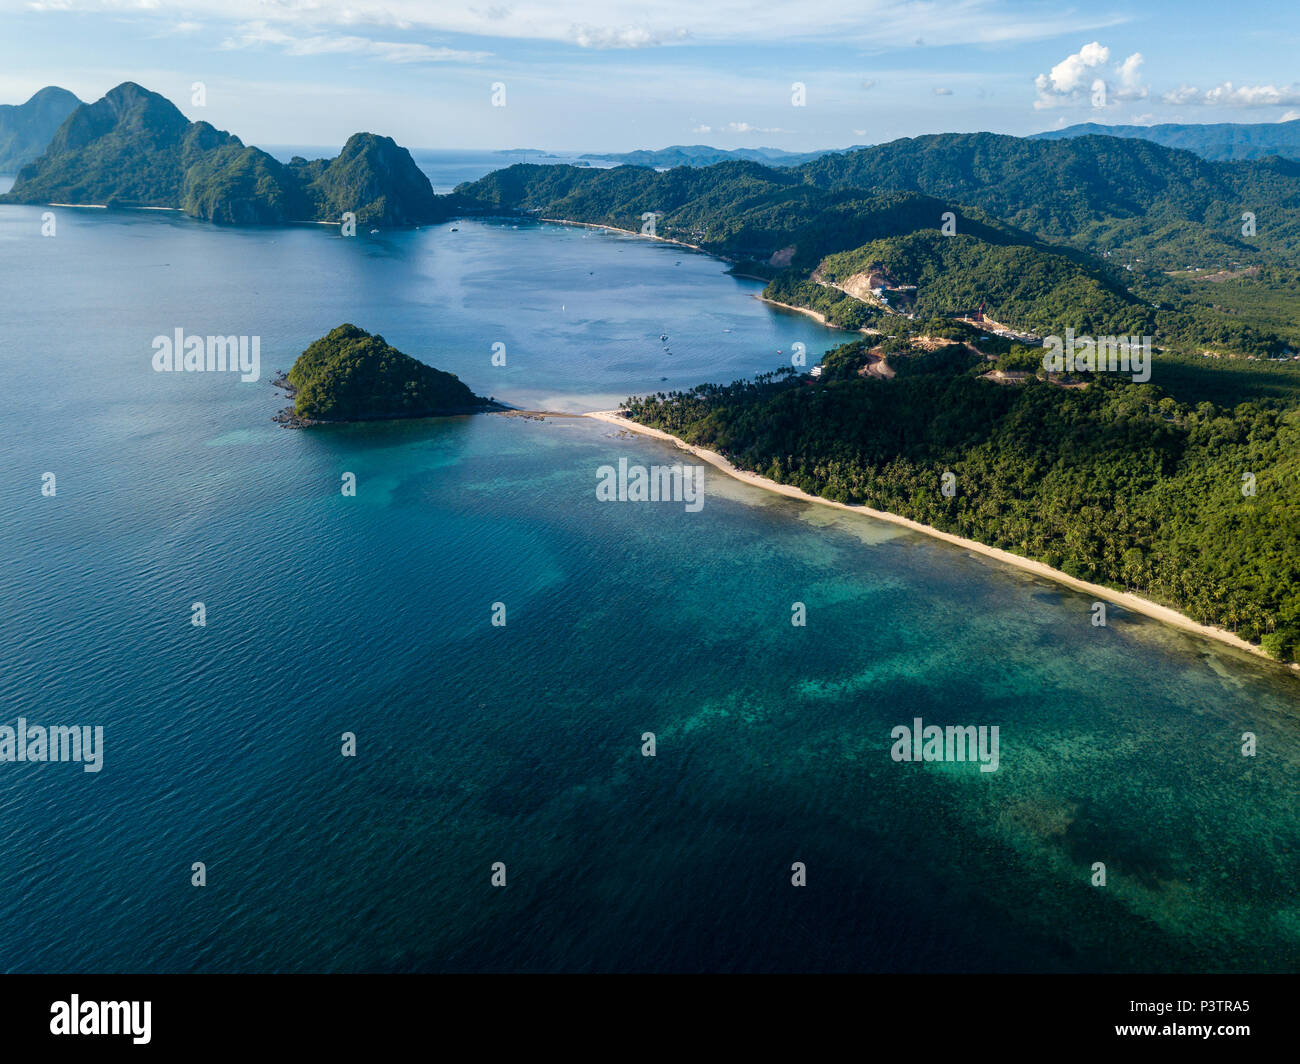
(134, 148)
(703, 155)
(1218, 141)
(26, 128)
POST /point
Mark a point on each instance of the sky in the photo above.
(612, 75)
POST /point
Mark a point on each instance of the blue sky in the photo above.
(612, 75)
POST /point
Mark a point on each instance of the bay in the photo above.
(522, 744)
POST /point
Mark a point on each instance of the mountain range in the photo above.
(134, 148)
(1119, 197)
(1132, 198)
(1130, 201)
(1218, 141)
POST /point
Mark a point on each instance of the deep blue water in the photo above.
(521, 744)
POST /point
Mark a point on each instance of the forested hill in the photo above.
(1025, 285)
(26, 128)
(1133, 198)
(134, 148)
(350, 375)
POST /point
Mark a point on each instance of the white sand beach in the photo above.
(1122, 598)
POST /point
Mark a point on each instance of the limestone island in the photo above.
(351, 375)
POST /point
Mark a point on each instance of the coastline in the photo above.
(1126, 599)
(288, 419)
(817, 315)
(631, 232)
(104, 206)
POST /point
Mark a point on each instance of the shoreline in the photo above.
(631, 232)
(1166, 614)
(102, 206)
(816, 315)
(288, 419)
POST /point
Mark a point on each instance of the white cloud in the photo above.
(1129, 73)
(628, 37)
(1290, 116)
(739, 127)
(178, 29)
(868, 83)
(633, 23)
(1181, 95)
(258, 34)
(1230, 95)
(1071, 73)
(1079, 77)
(1251, 95)
(939, 91)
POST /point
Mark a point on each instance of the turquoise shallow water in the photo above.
(522, 744)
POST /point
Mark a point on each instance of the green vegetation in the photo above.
(1141, 204)
(1130, 198)
(375, 178)
(1193, 378)
(350, 375)
(1266, 298)
(739, 210)
(1117, 483)
(840, 310)
(1025, 285)
(133, 148)
(234, 185)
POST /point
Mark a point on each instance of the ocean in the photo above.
(521, 745)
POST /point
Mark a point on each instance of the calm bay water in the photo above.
(521, 744)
